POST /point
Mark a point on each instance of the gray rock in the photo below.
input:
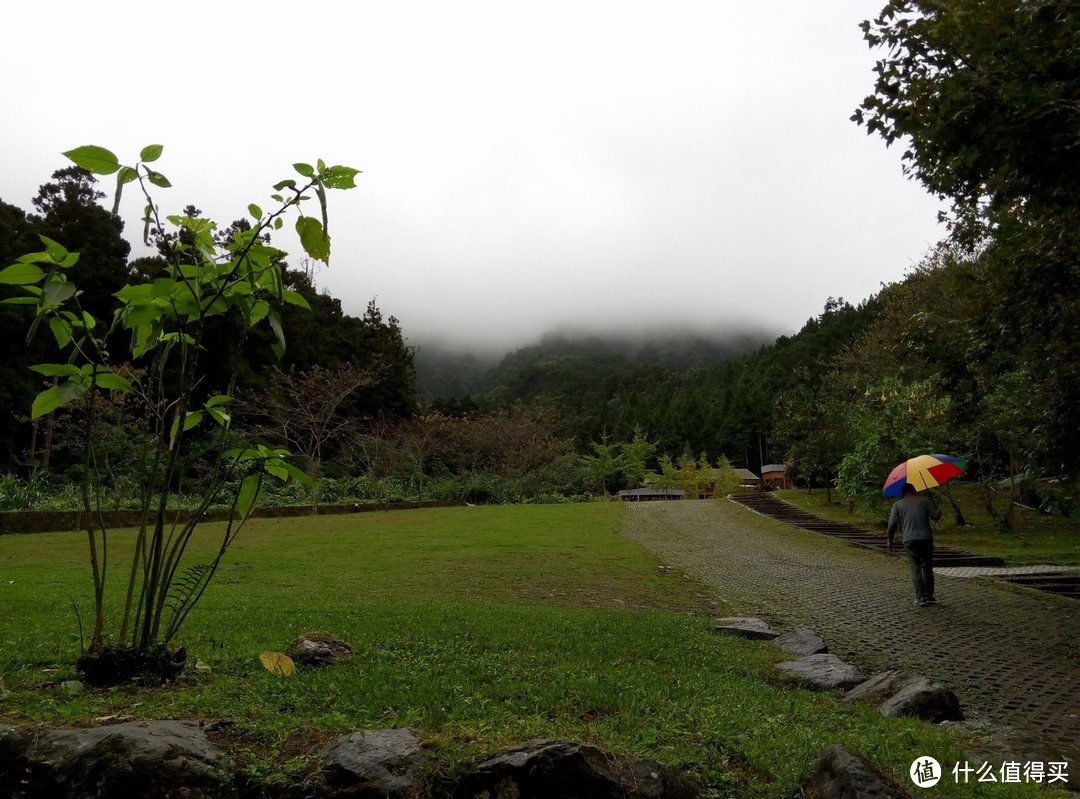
(842, 774)
(320, 649)
(168, 759)
(986, 742)
(877, 687)
(822, 671)
(14, 741)
(745, 628)
(542, 769)
(919, 697)
(802, 641)
(382, 764)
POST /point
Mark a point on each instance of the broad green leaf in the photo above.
(278, 222)
(56, 251)
(143, 339)
(241, 455)
(220, 416)
(52, 398)
(20, 300)
(258, 312)
(46, 402)
(313, 238)
(174, 338)
(295, 298)
(218, 399)
(298, 474)
(70, 260)
(21, 274)
(55, 369)
(278, 663)
(276, 469)
(60, 331)
(150, 152)
(191, 419)
(113, 382)
(239, 288)
(94, 159)
(340, 177)
(217, 306)
(55, 292)
(255, 211)
(287, 183)
(250, 489)
(125, 176)
(158, 179)
(137, 293)
(307, 170)
(165, 287)
(137, 314)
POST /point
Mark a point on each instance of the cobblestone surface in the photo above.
(1011, 655)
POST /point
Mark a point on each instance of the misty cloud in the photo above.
(526, 167)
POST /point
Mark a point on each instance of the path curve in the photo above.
(1012, 655)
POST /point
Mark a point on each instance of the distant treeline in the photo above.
(689, 391)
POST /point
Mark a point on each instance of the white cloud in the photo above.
(526, 165)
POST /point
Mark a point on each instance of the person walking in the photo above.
(912, 514)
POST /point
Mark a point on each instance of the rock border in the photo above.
(178, 760)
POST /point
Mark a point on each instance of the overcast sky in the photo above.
(526, 165)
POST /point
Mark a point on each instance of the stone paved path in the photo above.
(1011, 655)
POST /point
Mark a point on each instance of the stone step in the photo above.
(772, 506)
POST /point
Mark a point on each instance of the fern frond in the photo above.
(187, 587)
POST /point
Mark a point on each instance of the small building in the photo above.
(748, 480)
(650, 494)
(774, 476)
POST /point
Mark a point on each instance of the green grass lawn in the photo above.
(479, 627)
(1036, 538)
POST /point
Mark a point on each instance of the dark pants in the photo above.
(920, 558)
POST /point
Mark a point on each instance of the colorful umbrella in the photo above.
(923, 471)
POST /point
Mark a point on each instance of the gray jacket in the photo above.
(912, 515)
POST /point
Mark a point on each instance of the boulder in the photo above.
(903, 694)
(320, 649)
(167, 759)
(802, 641)
(877, 687)
(375, 764)
(542, 769)
(842, 774)
(919, 697)
(745, 628)
(822, 671)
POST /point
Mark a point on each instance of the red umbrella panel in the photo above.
(923, 472)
